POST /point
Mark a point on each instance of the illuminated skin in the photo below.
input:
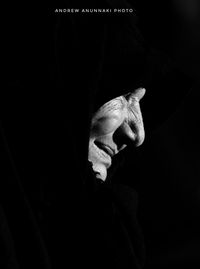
(115, 125)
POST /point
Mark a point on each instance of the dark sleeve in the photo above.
(109, 230)
(8, 257)
(21, 242)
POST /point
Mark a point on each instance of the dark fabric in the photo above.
(111, 236)
(22, 244)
